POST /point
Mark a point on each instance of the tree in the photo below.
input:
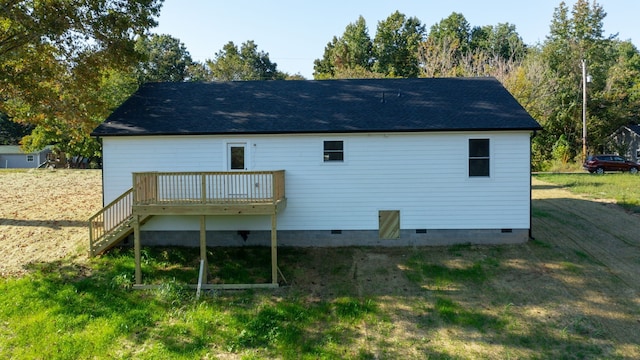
(452, 49)
(246, 63)
(501, 41)
(325, 68)
(574, 36)
(446, 51)
(347, 56)
(198, 71)
(53, 55)
(165, 58)
(455, 30)
(395, 46)
(11, 132)
(619, 100)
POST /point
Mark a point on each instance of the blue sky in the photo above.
(294, 33)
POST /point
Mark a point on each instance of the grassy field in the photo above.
(572, 293)
(624, 188)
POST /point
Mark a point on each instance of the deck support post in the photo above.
(274, 249)
(203, 243)
(137, 248)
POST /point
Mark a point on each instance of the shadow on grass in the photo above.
(52, 224)
(529, 300)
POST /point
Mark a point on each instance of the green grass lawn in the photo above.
(624, 188)
(66, 311)
(457, 302)
(63, 310)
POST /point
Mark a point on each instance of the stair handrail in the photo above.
(110, 217)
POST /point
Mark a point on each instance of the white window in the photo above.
(334, 150)
(479, 163)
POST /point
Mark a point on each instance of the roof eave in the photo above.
(370, 131)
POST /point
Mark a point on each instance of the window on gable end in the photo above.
(479, 159)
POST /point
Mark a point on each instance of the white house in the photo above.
(385, 162)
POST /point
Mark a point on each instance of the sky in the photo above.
(295, 32)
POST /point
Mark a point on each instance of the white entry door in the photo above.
(237, 160)
(236, 156)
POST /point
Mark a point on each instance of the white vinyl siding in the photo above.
(423, 175)
(123, 156)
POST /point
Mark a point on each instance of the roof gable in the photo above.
(635, 129)
(328, 106)
(17, 150)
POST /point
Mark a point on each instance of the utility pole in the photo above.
(584, 110)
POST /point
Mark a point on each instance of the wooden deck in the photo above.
(190, 193)
(209, 193)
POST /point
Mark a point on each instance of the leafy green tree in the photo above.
(500, 41)
(197, 71)
(574, 36)
(325, 68)
(246, 63)
(347, 56)
(618, 102)
(53, 55)
(454, 30)
(165, 58)
(396, 44)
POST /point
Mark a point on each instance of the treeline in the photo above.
(546, 78)
(62, 78)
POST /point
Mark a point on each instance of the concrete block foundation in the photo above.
(337, 238)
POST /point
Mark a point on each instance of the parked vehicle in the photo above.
(600, 163)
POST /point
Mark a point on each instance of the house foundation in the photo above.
(328, 238)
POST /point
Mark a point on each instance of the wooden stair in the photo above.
(115, 236)
(112, 224)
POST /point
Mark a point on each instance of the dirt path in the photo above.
(43, 215)
(604, 231)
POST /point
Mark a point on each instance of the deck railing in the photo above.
(109, 218)
(184, 188)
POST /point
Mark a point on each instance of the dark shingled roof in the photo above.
(328, 106)
(634, 128)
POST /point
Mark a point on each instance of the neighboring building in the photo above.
(12, 157)
(626, 142)
(382, 162)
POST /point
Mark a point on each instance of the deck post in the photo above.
(274, 249)
(137, 248)
(203, 243)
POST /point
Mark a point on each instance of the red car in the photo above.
(600, 163)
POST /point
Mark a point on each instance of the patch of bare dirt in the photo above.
(43, 216)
